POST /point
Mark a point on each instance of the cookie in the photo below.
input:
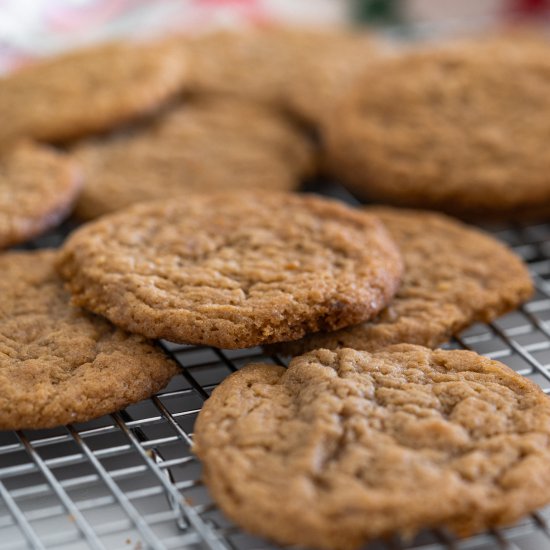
(327, 65)
(37, 190)
(348, 446)
(302, 69)
(88, 91)
(453, 129)
(201, 145)
(454, 275)
(232, 270)
(59, 364)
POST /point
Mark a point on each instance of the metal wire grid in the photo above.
(129, 480)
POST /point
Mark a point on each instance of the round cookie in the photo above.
(207, 144)
(37, 190)
(327, 65)
(88, 91)
(463, 130)
(59, 364)
(232, 270)
(344, 447)
(454, 275)
(302, 69)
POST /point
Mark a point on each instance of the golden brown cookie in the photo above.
(327, 64)
(302, 69)
(232, 270)
(461, 129)
(59, 364)
(37, 190)
(348, 446)
(213, 144)
(454, 276)
(88, 91)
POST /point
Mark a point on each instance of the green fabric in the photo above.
(377, 11)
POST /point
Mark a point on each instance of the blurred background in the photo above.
(31, 28)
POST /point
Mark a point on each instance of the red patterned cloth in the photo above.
(34, 28)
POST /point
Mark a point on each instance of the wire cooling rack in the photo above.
(130, 481)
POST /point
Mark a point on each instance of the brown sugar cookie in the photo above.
(461, 129)
(348, 446)
(250, 63)
(327, 65)
(201, 145)
(232, 270)
(454, 275)
(37, 190)
(88, 91)
(302, 69)
(59, 364)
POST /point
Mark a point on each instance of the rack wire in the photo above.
(130, 481)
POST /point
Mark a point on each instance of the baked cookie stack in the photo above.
(184, 158)
(58, 363)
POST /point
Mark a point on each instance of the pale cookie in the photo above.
(37, 190)
(233, 270)
(463, 129)
(88, 91)
(201, 145)
(454, 276)
(59, 364)
(348, 446)
(301, 69)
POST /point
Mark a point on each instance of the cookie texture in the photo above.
(301, 69)
(454, 275)
(453, 129)
(59, 364)
(88, 91)
(346, 446)
(207, 144)
(37, 190)
(232, 269)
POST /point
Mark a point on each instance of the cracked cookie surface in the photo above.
(202, 145)
(233, 269)
(347, 446)
(58, 363)
(454, 129)
(454, 275)
(37, 190)
(88, 91)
